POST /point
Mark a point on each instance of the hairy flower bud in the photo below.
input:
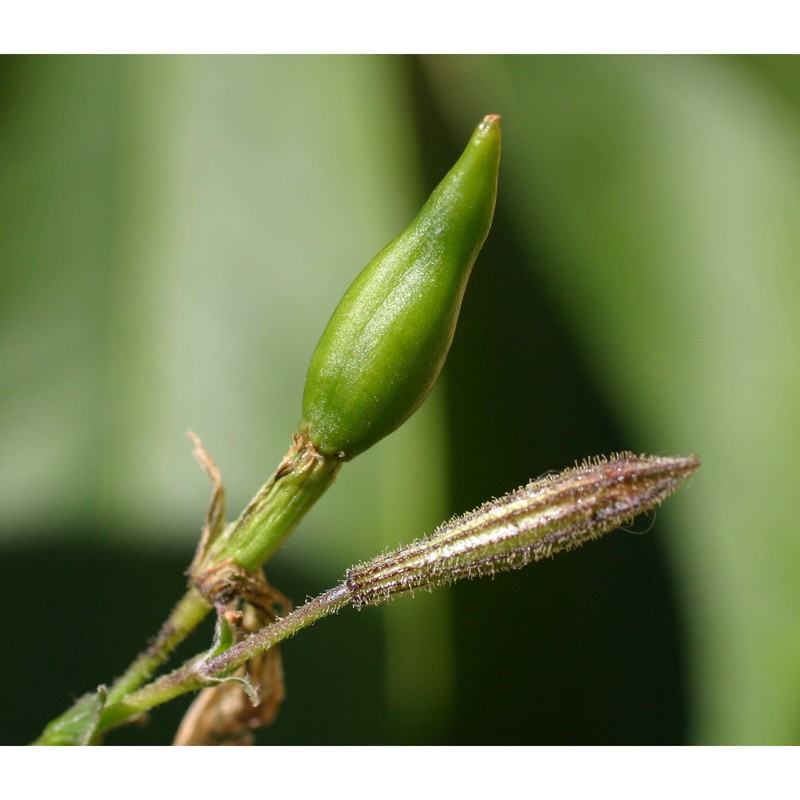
(556, 513)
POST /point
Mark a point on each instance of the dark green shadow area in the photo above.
(583, 649)
(81, 613)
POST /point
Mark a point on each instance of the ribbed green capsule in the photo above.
(388, 338)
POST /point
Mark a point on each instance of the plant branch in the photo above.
(551, 515)
(185, 617)
(216, 573)
(202, 672)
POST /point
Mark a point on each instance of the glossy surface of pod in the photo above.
(388, 338)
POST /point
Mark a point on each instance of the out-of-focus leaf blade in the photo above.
(59, 177)
(176, 233)
(665, 195)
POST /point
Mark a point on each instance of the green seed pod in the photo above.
(388, 338)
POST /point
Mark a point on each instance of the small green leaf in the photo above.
(223, 636)
(77, 725)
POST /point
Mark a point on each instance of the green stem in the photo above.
(75, 725)
(185, 617)
(201, 672)
(274, 512)
(300, 480)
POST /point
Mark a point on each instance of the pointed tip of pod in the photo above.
(633, 484)
(488, 134)
(488, 129)
(679, 466)
(684, 466)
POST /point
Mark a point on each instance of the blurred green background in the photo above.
(175, 231)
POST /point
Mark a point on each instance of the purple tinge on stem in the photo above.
(555, 513)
